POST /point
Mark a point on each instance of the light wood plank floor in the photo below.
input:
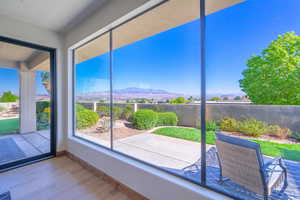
(60, 179)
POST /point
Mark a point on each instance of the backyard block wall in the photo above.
(9, 105)
(284, 116)
(189, 114)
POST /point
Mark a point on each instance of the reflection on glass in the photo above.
(252, 73)
(92, 91)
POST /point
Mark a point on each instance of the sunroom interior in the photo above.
(68, 163)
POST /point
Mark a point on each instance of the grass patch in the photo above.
(190, 134)
(273, 149)
(8, 126)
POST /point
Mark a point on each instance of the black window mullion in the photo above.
(111, 87)
(203, 91)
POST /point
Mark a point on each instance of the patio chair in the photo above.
(241, 161)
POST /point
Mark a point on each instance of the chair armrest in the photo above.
(274, 161)
(270, 167)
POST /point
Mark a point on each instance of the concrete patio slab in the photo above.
(32, 144)
(160, 150)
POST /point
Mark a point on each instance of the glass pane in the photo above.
(253, 67)
(25, 100)
(92, 86)
(156, 87)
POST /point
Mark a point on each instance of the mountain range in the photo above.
(134, 93)
(157, 94)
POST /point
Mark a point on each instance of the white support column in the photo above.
(27, 101)
(95, 106)
(135, 107)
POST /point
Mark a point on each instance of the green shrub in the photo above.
(86, 119)
(103, 110)
(212, 126)
(127, 113)
(277, 131)
(41, 105)
(79, 108)
(167, 119)
(2, 108)
(229, 124)
(253, 127)
(145, 119)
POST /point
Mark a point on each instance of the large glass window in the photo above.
(156, 86)
(138, 91)
(92, 91)
(253, 67)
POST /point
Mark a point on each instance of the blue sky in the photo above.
(170, 60)
(9, 81)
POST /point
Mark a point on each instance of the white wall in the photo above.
(152, 183)
(26, 32)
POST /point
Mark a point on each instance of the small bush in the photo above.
(86, 119)
(41, 105)
(212, 126)
(253, 127)
(127, 113)
(277, 131)
(145, 119)
(2, 109)
(229, 124)
(167, 119)
(79, 108)
(103, 111)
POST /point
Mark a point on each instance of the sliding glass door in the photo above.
(27, 108)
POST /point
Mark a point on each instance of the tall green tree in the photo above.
(8, 97)
(274, 76)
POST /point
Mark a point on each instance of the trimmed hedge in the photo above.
(145, 119)
(86, 119)
(167, 119)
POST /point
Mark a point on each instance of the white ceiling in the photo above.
(55, 15)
